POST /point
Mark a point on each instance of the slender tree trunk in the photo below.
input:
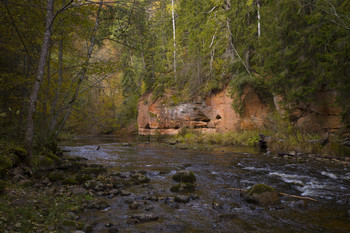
(53, 121)
(143, 58)
(258, 6)
(173, 16)
(44, 122)
(29, 134)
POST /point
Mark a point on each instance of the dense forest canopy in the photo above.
(82, 65)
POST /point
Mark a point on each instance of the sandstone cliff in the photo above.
(215, 114)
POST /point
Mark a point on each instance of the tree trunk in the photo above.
(258, 6)
(173, 16)
(29, 134)
(53, 121)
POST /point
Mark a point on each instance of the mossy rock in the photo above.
(81, 178)
(21, 152)
(70, 226)
(53, 157)
(70, 181)
(2, 186)
(182, 188)
(56, 176)
(139, 178)
(76, 158)
(93, 169)
(45, 163)
(70, 165)
(184, 176)
(259, 189)
(5, 163)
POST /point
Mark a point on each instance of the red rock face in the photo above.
(322, 115)
(215, 114)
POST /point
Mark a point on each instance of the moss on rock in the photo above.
(70, 181)
(45, 163)
(184, 176)
(96, 170)
(259, 189)
(56, 176)
(53, 157)
(5, 162)
(263, 195)
(21, 152)
(81, 178)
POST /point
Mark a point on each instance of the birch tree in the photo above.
(174, 34)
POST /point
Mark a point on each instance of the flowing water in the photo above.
(219, 209)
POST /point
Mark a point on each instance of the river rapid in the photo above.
(213, 207)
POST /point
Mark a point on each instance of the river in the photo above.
(218, 209)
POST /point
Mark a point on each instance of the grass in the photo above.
(244, 138)
(283, 137)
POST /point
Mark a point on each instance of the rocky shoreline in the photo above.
(56, 197)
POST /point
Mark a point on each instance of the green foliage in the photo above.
(244, 138)
(303, 48)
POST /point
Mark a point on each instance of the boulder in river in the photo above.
(99, 204)
(263, 195)
(139, 218)
(70, 226)
(184, 176)
(182, 199)
(139, 178)
(182, 188)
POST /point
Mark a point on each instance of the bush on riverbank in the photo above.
(281, 138)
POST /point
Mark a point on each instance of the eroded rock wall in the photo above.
(215, 114)
(212, 114)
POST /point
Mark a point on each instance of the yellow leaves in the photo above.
(169, 8)
(249, 2)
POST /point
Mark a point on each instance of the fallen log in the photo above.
(284, 194)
